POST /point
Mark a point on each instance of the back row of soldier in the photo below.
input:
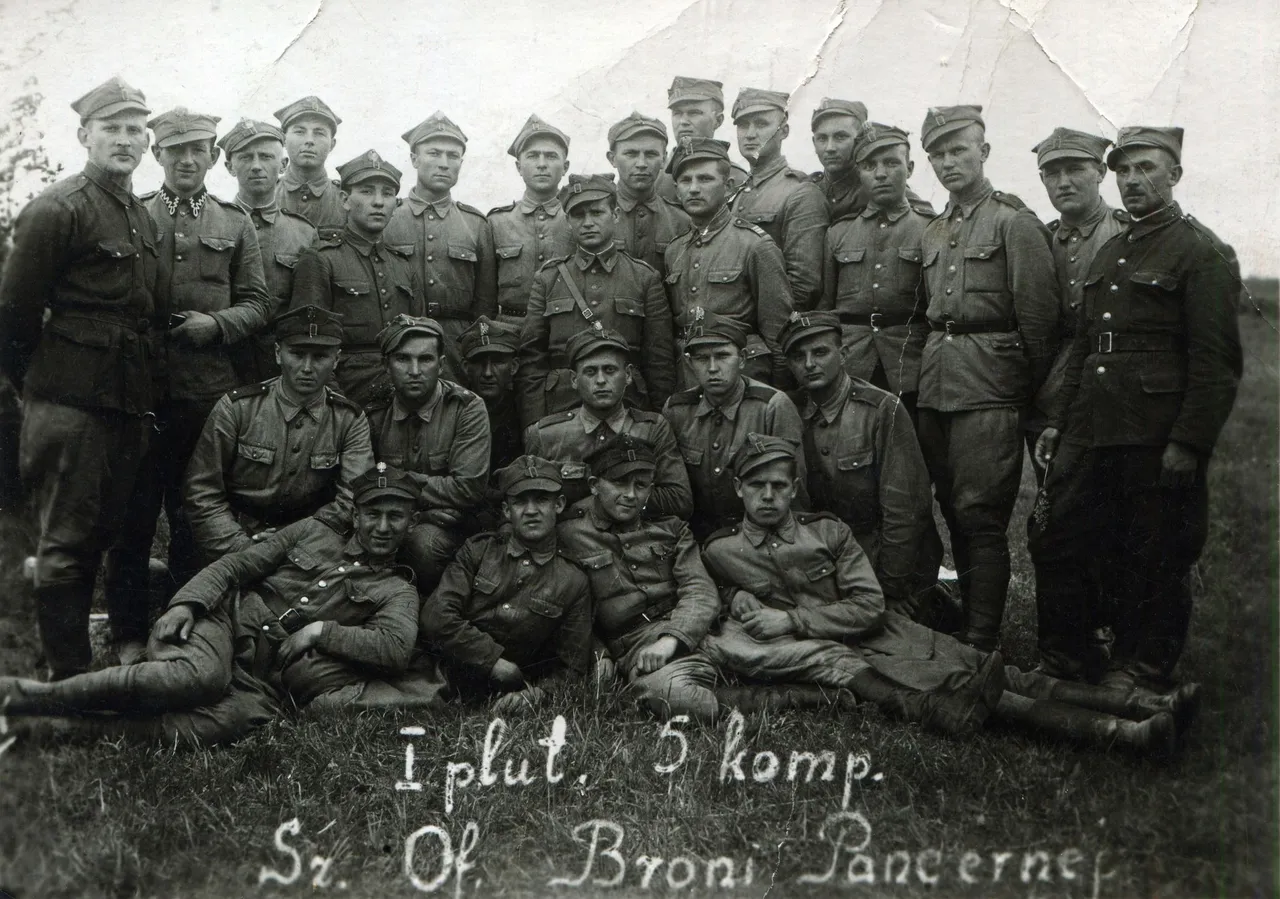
(672, 309)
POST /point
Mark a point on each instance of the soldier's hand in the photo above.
(506, 674)
(742, 603)
(174, 626)
(518, 701)
(263, 535)
(1178, 466)
(1047, 446)
(197, 329)
(765, 624)
(299, 642)
(656, 654)
(606, 670)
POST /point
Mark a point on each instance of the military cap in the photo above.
(487, 336)
(636, 124)
(307, 106)
(691, 149)
(805, 324)
(761, 449)
(940, 121)
(594, 338)
(182, 126)
(585, 188)
(1167, 139)
(528, 473)
(535, 127)
(620, 455)
(754, 99)
(874, 136)
(310, 326)
(246, 132)
(1065, 143)
(829, 107)
(110, 98)
(383, 480)
(435, 125)
(706, 327)
(367, 166)
(684, 88)
(403, 326)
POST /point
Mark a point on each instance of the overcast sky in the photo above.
(384, 65)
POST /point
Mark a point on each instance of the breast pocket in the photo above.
(859, 486)
(1156, 298)
(692, 456)
(112, 275)
(821, 579)
(325, 463)
(215, 258)
(254, 465)
(723, 287)
(602, 572)
(984, 270)
(629, 319)
(354, 300)
(909, 269)
(850, 271)
(510, 271)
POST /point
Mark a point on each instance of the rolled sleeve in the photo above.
(385, 641)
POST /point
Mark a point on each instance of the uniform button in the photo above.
(354, 565)
(693, 290)
(133, 230)
(296, 447)
(696, 264)
(386, 305)
(1074, 239)
(774, 545)
(526, 561)
(1120, 262)
(178, 257)
(595, 302)
(431, 216)
(542, 256)
(1114, 288)
(953, 243)
(506, 605)
(949, 290)
(431, 258)
(1102, 369)
(1072, 281)
(951, 268)
(1106, 316)
(304, 600)
(877, 266)
(542, 218)
(431, 237)
(431, 280)
(176, 234)
(715, 446)
(342, 568)
(1072, 259)
(633, 566)
(717, 471)
(826, 451)
(875, 286)
(383, 290)
(542, 235)
(322, 583)
(883, 225)
(266, 627)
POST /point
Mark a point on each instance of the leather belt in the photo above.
(993, 326)
(1111, 342)
(876, 320)
(462, 315)
(648, 615)
(106, 317)
(511, 311)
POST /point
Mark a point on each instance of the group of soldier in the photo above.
(683, 429)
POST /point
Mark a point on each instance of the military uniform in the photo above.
(685, 88)
(993, 311)
(87, 251)
(497, 339)
(319, 200)
(1155, 360)
(646, 225)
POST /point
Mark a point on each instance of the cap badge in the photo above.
(484, 329)
(686, 144)
(382, 473)
(374, 157)
(575, 187)
(532, 470)
(757, 445)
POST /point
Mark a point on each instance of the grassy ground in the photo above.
(1039, 818)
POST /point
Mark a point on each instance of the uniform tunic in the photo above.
(647, 227)
(318, 201)
(524, 236)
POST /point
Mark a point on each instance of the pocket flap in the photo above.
(465, 253)
(484, 584)
(543, 607)
(1162, 381)
(117, 249)
(856, 460)
(910, 254)
(761, 218)
(691, 456)
(264, 454)
(822, 569)
(324, 460)
(218, 244)
(303, 559)
(1163, 280)
(559, 306)
(1092, 280)
(354, 288)
(288, 260)
(672, 278)
(983, 252)
(597, 562)
(724, 276)
(847, 256)
(628, 306)
(509, 252)
(573, 470)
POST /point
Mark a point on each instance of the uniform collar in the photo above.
(399, 412)
(763, 174)
(756, 535)
(607, 258)
(830, 410)
(116, 186)
(729, 409)
(419, 204)
(966, 209)
(354, 550)
(627, 202)
(516, 549)
(590, 424)
(293, 182)
(360, 243)
(173, 202)
(290, 409)
(267, 213)
(892, 215)
(1155, 221)
(1085, 228)
(529, 207)
(718, 222)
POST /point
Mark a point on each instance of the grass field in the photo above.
(1000, 814)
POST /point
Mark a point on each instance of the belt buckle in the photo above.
(949, 322)
(1109, 342)
(291, 621)
(647, 619)
(872, 320)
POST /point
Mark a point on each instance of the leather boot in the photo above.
(1137, 704)
(774, 698)
(1156, 736)
(959, 711)
(985, 594)
(62, 611)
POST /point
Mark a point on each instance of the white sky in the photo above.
(384, 65)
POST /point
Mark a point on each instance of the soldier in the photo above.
(1150, 381)
(872, 265)
(993, 312)
(725, 264)
(361, 276)
(647, 223)
(799, 586)
(531, 231)
(310, 131)
(600, 362)
(835, 125)
(85, 253)
(865, 466)
(712, 420)
(779, 199)
(453, 252)
(513, 613)
(282, 450)
(1072, 168)
(697, 111)
(596, 287)
(307, 617)
(255, 156)
(438, 432)
(488, 350)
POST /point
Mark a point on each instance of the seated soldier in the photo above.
(601, 372)
(273, 453)
(307, 616)
(436, 431)
(510, 609)
(711, 420)
(801, 576)
(488, 351)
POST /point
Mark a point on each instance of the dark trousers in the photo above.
(1104, 509)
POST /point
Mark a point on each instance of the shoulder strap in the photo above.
(574, 292)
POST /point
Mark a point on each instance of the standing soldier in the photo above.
(779, 199)
(435, 430)
(211, 274)
(835, 125)
(697, 111)
(453, 255)
(488, 351)
(724, 264)
(597, 287)
(872, 262)
(310, 130)
(647, 223)
(362, 277)
(712, 420)
(993, 313)
(531, 231)
(255, 156)
(85, 253)
(280, 451)
(1152, 375)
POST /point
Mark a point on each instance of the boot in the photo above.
(986, 593)
(959, 711)
(1156, 736)
(1137, 704)
(775, 698)
(62, 611)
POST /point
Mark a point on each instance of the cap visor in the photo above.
(758, 107)
(369, 176)
(865, 150)
(938, 133)
(805, 334)
(710, 340)
(546, 485)
(761, 461)
(691, 96)
(586, 196)
(1064, 153)
(639, 129)
(622, 469)
(1140, 142)
(305, 340)
(112, 109)
(492, 349)
(186, 137)
(369, 493)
